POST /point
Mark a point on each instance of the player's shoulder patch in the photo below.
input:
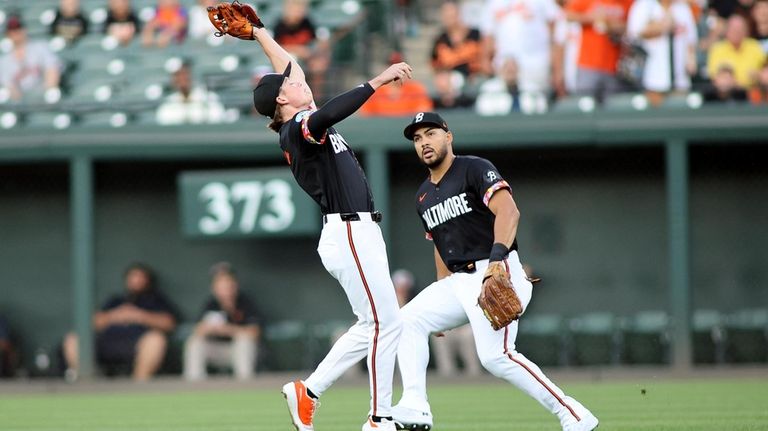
(492, 176)
(302, 115)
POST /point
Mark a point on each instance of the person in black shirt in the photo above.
(121, 23)
(468, 211)
(69, 22)
(724, 88)
(131, 327)
(227, 332)
(351, 245)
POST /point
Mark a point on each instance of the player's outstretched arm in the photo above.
(346, 104)
(277, 55)
(503, 206)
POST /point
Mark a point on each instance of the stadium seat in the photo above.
(625, 102)
(747, 339)
(708, 337)
(575, 104)
(594, 339)
(646, 338)
(285, 345)
(541, 338)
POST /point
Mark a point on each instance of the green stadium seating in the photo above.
(541, 339)
(594, 339)
(646, 338)
(747, 336)
(708, 337)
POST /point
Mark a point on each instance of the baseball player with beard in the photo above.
(468, 211)
(351, 245)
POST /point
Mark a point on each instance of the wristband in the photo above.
(498, 252)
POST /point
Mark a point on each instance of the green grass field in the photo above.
(720, 405)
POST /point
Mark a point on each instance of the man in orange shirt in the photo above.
(603, 22)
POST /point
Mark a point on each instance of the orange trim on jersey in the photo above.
(493, 189)
(373, 311)
(308, 135)
(428, 236)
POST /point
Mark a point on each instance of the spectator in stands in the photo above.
(567, 35)
(29, 66)
(758, 95)
(8, 358)
(458, 47)
(449, 90)
(131, 328)
(760, 19)
(742, 53)
(227, 332)
(401, 99)
(295, 32)
(668, 34)
(69, 22)
(603, 22)
(168, 25)
(199, 25)
(189, 104)
(522, 33)
(121, 23)
(499, 95)
(458, 343)
(402, 279)
(724, 87)
(456, 59)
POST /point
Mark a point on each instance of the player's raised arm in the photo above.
(346, 104)
(241, 21)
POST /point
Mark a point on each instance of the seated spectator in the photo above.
(743, 54)
(30, 65)
(8, 358)
(199, 25)
(449, 94)
(189, 104)
(458, 47)
(567, 36)
(499, 95)
(168, 25)
(456, 59)
(296, 33)
(121, 23)
(523, 33)
(724, 87)
(131, 328)
(664, 26)
(458, 343)
(69, 22)
(758, 95)
(603, 23)
(760, 19)
(398, 100)
(227, 332)
(402, 279)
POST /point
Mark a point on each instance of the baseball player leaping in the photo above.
(468, 212)
(351, 245)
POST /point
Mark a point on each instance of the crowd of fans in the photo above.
(493, 56)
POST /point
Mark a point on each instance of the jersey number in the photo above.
(222, 203)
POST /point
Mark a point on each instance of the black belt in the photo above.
(468, 267)
(375, 217)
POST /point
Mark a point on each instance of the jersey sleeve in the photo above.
(484, 179)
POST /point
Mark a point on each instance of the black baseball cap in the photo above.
(267, 90)
(424, 119)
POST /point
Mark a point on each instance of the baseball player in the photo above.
(468, 211)
(351, 245)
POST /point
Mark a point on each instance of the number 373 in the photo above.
(222, 201)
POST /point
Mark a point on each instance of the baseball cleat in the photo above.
(300, 405)
(411, 419)
(587, 423)
(384, 425)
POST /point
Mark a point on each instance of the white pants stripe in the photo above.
(355, 254)
(451, 302)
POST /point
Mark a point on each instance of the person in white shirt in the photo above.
(520, 31)
(667, 31)
(199, 24)
(189, 104)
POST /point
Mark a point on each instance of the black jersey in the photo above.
(455, 211)
(326, 169)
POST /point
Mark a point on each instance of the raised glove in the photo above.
(235, 19)
(498, 298)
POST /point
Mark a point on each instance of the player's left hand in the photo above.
(235, 19)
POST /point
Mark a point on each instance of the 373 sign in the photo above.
(252, 203)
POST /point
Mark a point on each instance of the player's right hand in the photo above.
(395, 72)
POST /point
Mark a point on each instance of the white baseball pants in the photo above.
(451, 302)
(355, 254)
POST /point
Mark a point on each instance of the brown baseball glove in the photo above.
(235, 19)
(498, 298)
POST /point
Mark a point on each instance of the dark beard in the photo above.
(439, 157)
